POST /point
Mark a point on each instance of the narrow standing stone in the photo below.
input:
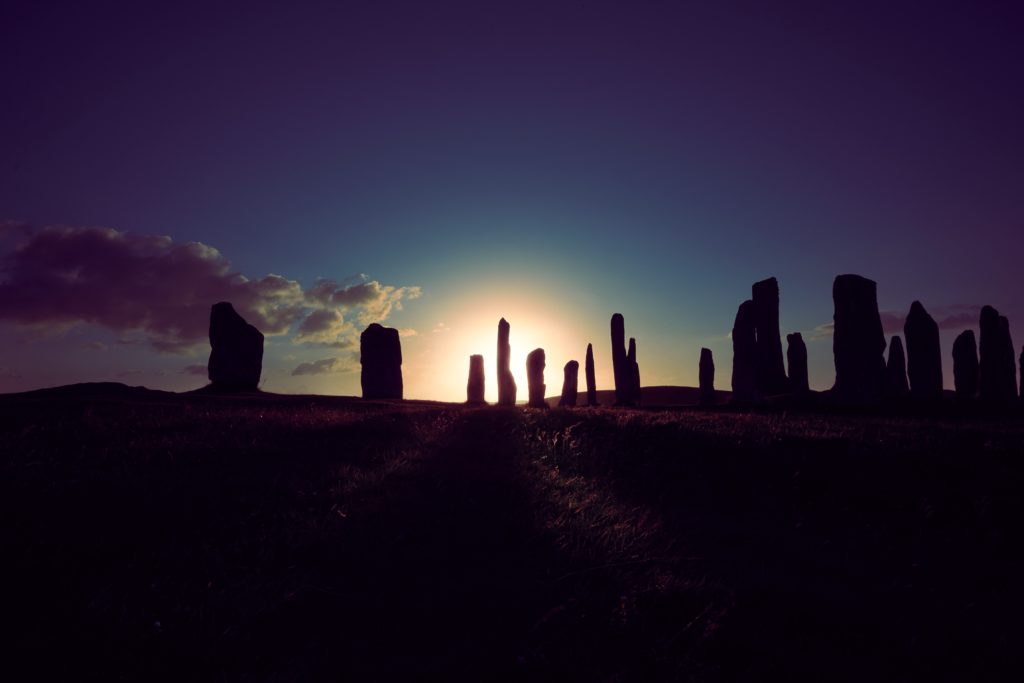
(896, 370)
(634, 375)
(570, 384)
(997, 373)
(769, 371)
(796, 357)
(506, 382)
(621, 369)
(475, 386)
(924, 357)
(965, 366)
(535, 378)
(744, 342)
(591, 378)
(706, 374)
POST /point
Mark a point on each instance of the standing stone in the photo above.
(535, 378)
(620, 365)
(570, 384)
(858, 343)
(706, 374)
(236, 350)
(380, 352)
(896, 370)
(744, 344)
(997, 373)
(634, 376)
(965, 365)
(1021, 366)
(475, 386)
(506, 382)
(796, 357)
(591, 377)
(924, 357)
(769, 371)
(1009, 360)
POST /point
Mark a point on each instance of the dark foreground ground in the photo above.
(155, 536)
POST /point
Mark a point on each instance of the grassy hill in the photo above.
(161, 536)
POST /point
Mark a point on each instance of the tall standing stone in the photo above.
(858, 343)
(535, 378)
(621, 368)
(1021, 366)
(744, 343)
(591, 377)
(896, 385)
(924, 357)
(796, 357)
(506, 382)
(634, 375)
(997, 373)
(965, 365)
(380, 353)
(570, 384)
(706, 375)
(236, 350)
(769, 371)
(475, 385)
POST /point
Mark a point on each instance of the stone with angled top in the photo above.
(924, 357)
(236, 351)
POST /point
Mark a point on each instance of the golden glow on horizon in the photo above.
(442, 367)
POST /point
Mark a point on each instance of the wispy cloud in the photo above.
(325, 366)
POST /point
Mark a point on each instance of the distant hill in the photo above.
(651, 396)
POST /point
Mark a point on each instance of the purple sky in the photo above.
(438, 165)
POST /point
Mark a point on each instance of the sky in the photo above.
(436, 166)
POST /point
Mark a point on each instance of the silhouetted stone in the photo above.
(380, 352)
(634, 384)
(1009, 359)
(570, 383)
(236, 350)
(744, 349)
(769, 371)
(924, 357)
(475, 385)
(796, 358)
(591, 379)
(535, 378)
(1021, 366)
(621, 367)
(858, 343)
(896, 385)
(706, 374)
(506, 382)
(965, 365)
(997, 372)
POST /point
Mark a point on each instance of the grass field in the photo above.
(159, 536)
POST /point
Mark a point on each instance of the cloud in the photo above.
(325, 366)
(407, 332)
(196, 369)
(951, 317)
(129, 373)
(149, 288)
(95, 346)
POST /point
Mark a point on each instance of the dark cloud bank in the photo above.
(147, 284)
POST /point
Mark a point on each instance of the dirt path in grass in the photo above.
(443, 574)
